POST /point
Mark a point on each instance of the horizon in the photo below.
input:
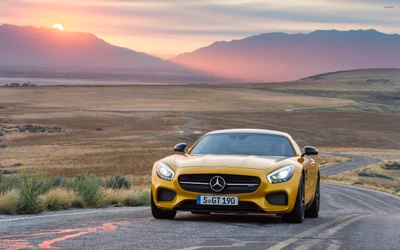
(171, 28)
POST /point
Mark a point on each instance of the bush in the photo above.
(372, 174)
(7, 183)
(391, 166)
(18, 164)
(9, 202)
(89, 188)
(397, 190)
(358, 183)
(59, 181)
(117, 182)
(30, 188)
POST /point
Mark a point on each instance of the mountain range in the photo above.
(265, 57)
(280, 56)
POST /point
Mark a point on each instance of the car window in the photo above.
(244, 144)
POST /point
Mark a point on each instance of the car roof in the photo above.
(249, 130)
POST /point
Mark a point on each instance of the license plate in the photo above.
(217, 200)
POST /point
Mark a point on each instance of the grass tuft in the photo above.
(60, 198)
(126, 197)
(137, 198)
(9, 202)
(113, 197)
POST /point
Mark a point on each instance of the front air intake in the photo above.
(165, 195)
(277, 198)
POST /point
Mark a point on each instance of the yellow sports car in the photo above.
(238, 171)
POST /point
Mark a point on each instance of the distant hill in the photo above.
(281, 57)
(26, 51)
(29, 46)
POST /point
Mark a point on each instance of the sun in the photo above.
(58, 26)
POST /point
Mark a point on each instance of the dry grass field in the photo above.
(110, 129)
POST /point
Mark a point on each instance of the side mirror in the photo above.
(180, 147)
(308, 150)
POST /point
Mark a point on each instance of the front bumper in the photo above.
(259, 201)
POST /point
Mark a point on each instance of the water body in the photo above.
(71, 81)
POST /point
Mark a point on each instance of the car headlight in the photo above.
(281, 174)
(165, 172)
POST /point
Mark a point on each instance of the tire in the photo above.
(161, 213)
(298, 212)
(313, 210)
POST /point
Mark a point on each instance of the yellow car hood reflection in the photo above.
(251, 162)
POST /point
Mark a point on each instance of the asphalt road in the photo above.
(357, 161)
(350, 218)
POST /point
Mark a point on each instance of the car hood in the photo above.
(232, 161)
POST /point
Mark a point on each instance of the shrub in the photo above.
(60, 198)
(358, 183)
(30, 188)
(89, 188)
(372, 174)
(59, 181)
(7, 183)
(18, 164)
(397, 190)
(118, 181)
(9, 202)
(391, 166)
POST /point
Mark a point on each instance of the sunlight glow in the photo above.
(58, 26)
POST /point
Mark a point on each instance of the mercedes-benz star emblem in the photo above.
(217, 184)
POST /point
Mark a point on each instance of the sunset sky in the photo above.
(176, 26)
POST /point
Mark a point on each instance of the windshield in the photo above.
(244, 144)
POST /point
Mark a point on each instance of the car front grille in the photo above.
(235, 184)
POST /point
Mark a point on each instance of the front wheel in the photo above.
(161, 213)
(297, 214)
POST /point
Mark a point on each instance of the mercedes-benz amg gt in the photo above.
(238, 171)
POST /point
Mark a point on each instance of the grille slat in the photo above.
(235, 184)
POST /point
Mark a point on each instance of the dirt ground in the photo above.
(110, 129)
